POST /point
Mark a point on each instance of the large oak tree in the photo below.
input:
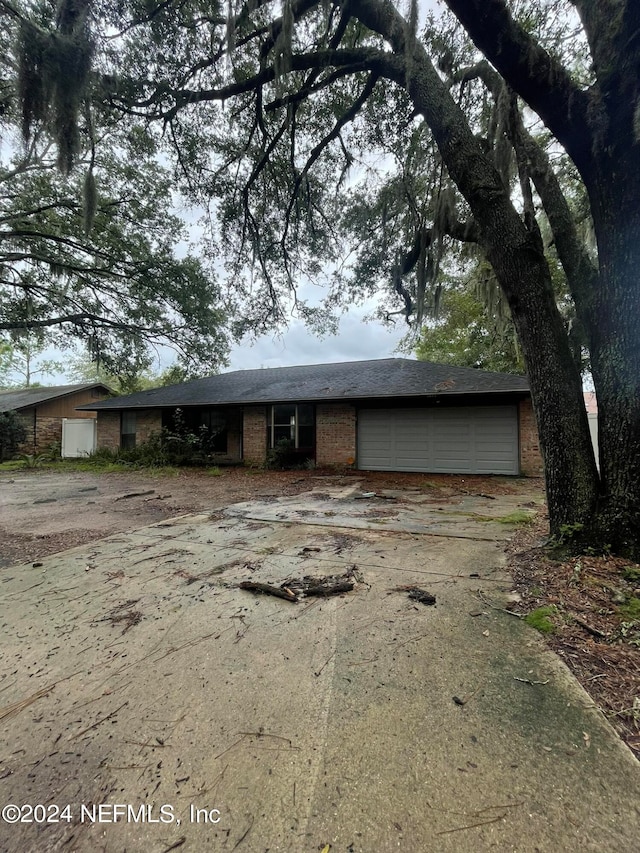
(269, 107)
(91, 255)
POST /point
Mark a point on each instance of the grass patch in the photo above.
(630, 610)
(11, 465)
(213, 471)
(518, 516)
(632, 574)
(92, 466)
(539, 619)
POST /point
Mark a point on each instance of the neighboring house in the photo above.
(43, 410)
(392, 414)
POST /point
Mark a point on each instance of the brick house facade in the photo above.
(336, 431)
(42, 411)
(490, 416)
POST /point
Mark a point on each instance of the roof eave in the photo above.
(302, 399)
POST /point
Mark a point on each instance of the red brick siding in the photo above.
(254, 431)
(108, 430)
(530, 457)
(335, 434)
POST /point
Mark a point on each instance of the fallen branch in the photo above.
(528, 680)
(322, 586)
(481, 598)
(595, 632)
(136, 495)
(269, 589)
(335, 589)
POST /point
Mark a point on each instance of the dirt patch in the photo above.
(589, 604)
(44, 512)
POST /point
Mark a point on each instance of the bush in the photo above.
(283, 455)
(176, 446)
(12, 433)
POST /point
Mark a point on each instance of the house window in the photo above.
(128, 430)
(215, 424)
(294, 422)
(208, 425)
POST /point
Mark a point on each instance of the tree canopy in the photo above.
(468, 334)
(508, 126)
(96, 254)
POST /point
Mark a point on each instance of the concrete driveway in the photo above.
(135, 673)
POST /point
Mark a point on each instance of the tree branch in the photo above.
(76, 319)
(578, 267)
(333, 134)
(359, 59)
(539, 79)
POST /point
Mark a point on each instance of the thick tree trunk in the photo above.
(615, 350)
(517, 257)
(556, 386)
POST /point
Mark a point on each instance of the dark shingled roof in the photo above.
(22, 398)
(351, 380)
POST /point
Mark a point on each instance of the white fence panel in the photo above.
(78, 437)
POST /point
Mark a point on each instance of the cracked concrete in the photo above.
(323, 722)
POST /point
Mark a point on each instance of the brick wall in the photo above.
(48, 432)
(108, 430)
(530, 457)
(254, 434)
(335, 434)
(148, 421)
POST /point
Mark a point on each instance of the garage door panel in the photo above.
(465, 440)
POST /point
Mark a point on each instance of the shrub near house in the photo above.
(12, 434)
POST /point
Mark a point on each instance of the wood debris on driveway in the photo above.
(415, 593)
(308, 586)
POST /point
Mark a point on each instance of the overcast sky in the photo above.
(356, 341)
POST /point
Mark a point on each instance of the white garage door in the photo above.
(466, 440)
